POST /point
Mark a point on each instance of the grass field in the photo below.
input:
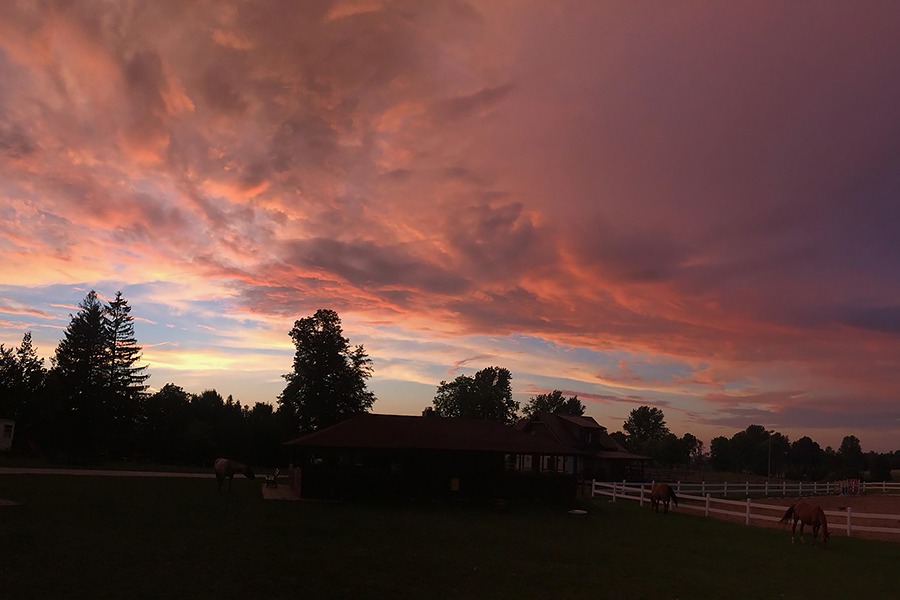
(107, 537)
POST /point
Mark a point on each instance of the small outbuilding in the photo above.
(7, 430)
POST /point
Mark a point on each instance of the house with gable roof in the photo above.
(590, 452)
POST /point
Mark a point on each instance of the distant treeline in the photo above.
(92, 404)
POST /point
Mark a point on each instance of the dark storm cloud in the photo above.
(468, 105)
(371, 266)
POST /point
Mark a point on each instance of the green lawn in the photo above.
(162, 538)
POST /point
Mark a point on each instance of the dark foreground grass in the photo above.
(106, 537)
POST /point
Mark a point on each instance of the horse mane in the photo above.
(673, 496)
(788, 514)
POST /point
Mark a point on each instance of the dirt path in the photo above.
(99, 472)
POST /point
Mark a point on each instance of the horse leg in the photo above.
(815, 529)
(794, 531)
(802, 525)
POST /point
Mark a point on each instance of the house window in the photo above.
(548, 464)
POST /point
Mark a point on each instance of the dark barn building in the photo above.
(372, 455)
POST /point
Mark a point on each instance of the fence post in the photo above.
(784, 488)
(883, 486)
(642, 495)
(614, 491)
(678, 486)
(593, 487)
(767, 488)
(800, 489)
(849, 514)
(815, 488)
(747, 488)
(747, 519)
(703, 487)
(725, 489)
(706, 512)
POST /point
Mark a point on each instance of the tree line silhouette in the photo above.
(93, 404)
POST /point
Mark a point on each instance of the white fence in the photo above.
(752, 511)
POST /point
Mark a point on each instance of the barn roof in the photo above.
(368, 430)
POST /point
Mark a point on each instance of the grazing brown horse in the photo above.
(807, 514)
(225, 469)
(662, 492)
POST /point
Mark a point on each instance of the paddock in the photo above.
(872, 515)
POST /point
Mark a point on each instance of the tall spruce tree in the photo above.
(81, 374)
(328, 381)
(97, 379)
(126, 378)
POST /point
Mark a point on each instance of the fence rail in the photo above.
(751, 511)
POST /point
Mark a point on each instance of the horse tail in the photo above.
(824, 524)
(787, 515)
(672, 496)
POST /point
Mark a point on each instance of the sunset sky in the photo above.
(687, 205)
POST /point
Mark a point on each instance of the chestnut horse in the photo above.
(662, 492)
(225, 469)
(807, 514)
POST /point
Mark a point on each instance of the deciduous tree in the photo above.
(554, 402)
(486, 395)
(22, 376)
(644, 424)
(328, 380)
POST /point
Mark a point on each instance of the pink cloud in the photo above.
(712, 186)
